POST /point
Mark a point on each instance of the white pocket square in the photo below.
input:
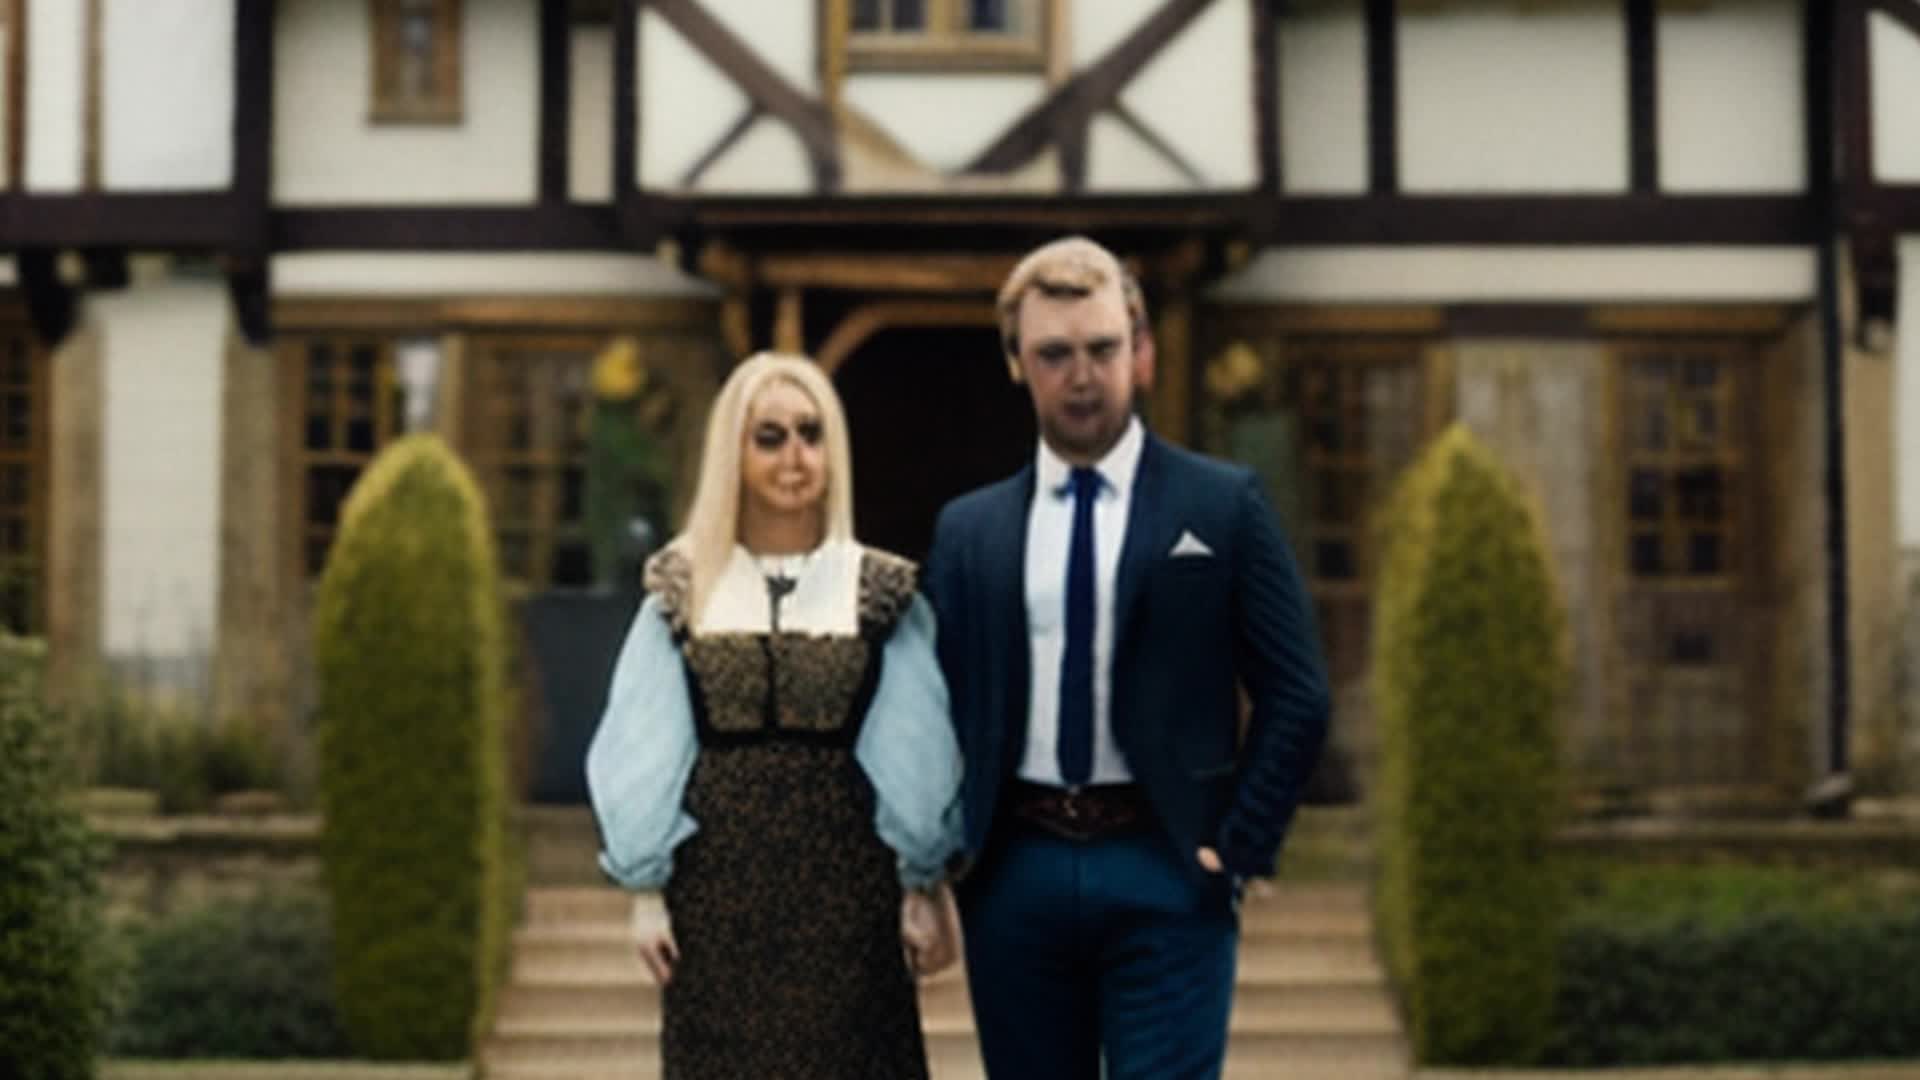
(1189, 545)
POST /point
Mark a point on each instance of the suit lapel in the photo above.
(1143, 541)
(1007, 560)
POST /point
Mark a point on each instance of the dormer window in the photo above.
(954, 35)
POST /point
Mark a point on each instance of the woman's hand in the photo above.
(930, 929)
(653, 937)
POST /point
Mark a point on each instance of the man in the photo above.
(1099, 613)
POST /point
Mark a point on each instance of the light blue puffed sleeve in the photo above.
(642, 755)
(908, 751)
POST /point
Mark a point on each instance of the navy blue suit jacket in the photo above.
(1189, 632)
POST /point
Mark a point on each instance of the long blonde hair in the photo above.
(713, 521)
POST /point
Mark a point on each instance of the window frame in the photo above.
(1731, 395)
(37, 456)
(298, 459)
(944, 46)
(445, 104)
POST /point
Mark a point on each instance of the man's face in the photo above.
(1077, 356)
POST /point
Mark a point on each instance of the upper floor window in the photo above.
(970, 35)
(416, 61)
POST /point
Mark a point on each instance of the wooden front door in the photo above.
(1691, 617)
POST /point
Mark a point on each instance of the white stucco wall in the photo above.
(56, 94)
(769, 159)
(780, 34)
(1895, 61)
(686, 103)
(1323, 100)
(351, 273)
(1197, 94)
(326, 151)
(167, 92)
(944, 120)
(590, 130)
(1906, 416)
(1094, 27)
(1732, 108)
(1497, 99)
(1120, 160)
(1520, 274)
(162, 346)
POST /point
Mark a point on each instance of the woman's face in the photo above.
(783, 452)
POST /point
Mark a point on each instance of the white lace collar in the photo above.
(825, 597)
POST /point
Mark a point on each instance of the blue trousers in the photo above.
(1075, 950)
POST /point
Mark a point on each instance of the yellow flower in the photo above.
(1234, 372)
(618, 374)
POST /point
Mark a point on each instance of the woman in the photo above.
(776, 753)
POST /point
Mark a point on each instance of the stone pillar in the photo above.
(258, 632)
(1541, 406)
(74, 565)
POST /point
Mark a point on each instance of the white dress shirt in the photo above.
(1049, 538)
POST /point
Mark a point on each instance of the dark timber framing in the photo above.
(251, 245)
(240, 223)
(1266, 94)
(556, 99)
(1643, 97)
(765, 87)
(1062, 119)
(1383, 96)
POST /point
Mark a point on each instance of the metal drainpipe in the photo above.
(1832, 795)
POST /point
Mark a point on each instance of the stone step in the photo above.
(1253, 1019)
(550, 904)
(542, 1053)
(1339, 910)
(1360, 1001)
(572, 954)
(1241, 1065)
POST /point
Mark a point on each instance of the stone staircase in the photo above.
(1311, 1002)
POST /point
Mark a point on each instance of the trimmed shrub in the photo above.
(409, 641)
(234, 980)
(1771, 986)
(1670, 964)
(52, 981)
(1468, 669)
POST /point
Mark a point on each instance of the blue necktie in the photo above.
(1075, 746)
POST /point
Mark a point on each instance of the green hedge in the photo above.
(1773, 986)
(410, 647)
(1672, 964)
(235, 979)
(52, 981)
(1468, 669)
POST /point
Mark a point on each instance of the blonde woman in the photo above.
(776, 755)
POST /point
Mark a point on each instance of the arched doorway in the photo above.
(932, 415)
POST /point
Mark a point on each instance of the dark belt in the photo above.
(1094, 812)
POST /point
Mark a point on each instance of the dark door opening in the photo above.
(932, 415)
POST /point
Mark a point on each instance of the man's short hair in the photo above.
(1070, 267)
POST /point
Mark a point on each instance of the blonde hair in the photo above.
(1072, 266)
(713, 521)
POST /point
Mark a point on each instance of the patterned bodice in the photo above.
(787, 686)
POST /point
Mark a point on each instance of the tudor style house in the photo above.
(1662, 254)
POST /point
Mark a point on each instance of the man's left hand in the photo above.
(1210, 860)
